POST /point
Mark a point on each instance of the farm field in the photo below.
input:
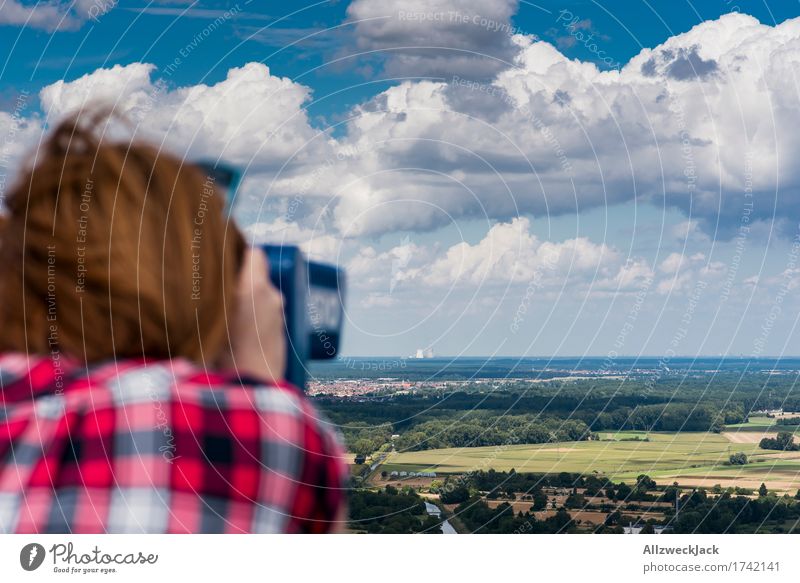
(756, 429)
(691, 459)
(763, 424)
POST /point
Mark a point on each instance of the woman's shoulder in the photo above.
(171, 421)
(178, 394)
(193, 384)
(127, 382)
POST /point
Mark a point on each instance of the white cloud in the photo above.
(45, 16)
(700, 122)
(548, 136)
(509, 254)
(689, 230)
(674, 261)
(120, 86)
(682, 272)
(250, 117)
(435, 37)
(53, 15)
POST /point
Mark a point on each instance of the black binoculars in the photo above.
(313, 292)
(313, 307)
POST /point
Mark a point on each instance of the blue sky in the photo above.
(155, 32)
(443, 151)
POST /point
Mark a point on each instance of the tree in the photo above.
(540, 500)
(670, 494)
(623, 491)
(762, 490)
(455, 495)
(645, 483)
(560, 519)
(784, 441)
(613, 518)
(575, 500)
(738, 459)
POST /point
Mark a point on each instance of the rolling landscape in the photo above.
(569, 445)
(691, 458)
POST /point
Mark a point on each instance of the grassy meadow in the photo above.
(765, 424)
(691, 459)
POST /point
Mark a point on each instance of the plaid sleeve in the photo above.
(324, 476)
(163, 449)
(266, 452)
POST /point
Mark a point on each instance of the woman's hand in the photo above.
(258, 344)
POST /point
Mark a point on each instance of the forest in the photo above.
(521, 412)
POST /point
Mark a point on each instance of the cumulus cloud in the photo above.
(251, 117)
(681, 272)
(437, 38)
(688, 230)
(509, 254)
(45, 16)
(120, 86)
(546, 136)
(53, 16)
(700, 122)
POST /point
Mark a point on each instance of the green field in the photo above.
(689, 458)
(761, 424)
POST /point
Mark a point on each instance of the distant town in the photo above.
(588, 445)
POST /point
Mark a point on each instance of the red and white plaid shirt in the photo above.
(161, 447)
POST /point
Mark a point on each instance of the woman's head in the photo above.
(115, 250)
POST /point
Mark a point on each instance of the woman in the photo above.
(141, 358)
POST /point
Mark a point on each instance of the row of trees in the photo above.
(479, 518)
(784, 441)
(728, 511)
(701, 513)
(390, 511)
(464, 419)
(530, 487)
(483, 430)
(363, 439)
(668, 417)
(612, 412)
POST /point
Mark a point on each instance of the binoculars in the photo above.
(313, 292)
(313, 307)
